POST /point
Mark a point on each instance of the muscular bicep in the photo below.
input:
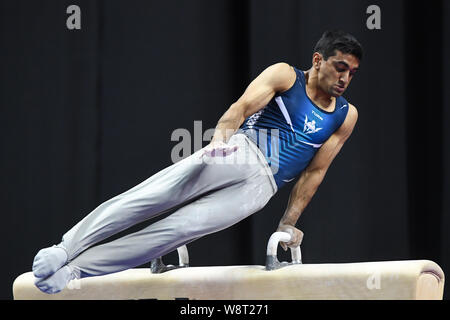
(328, 151)
(276, 78)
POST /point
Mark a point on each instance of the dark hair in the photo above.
(333, 40)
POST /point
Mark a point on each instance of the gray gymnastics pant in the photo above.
(212, 193)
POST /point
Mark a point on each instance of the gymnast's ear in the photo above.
(317, 60)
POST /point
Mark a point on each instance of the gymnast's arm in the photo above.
(312, 177)
(278, 77)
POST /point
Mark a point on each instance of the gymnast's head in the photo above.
(335, 60)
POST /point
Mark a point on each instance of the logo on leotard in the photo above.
(310, 127)
(254, 118)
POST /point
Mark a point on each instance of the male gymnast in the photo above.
(292, 123)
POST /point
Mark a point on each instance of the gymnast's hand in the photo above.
(218, 149)
(296, 236)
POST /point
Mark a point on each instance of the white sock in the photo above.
(57, 281)
(48, 261)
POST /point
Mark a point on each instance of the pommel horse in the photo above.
(384, 280)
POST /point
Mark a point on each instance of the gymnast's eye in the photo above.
(340, 67)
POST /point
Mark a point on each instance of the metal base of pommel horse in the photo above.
(386, 280)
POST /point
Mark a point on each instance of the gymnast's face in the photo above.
(335, 73)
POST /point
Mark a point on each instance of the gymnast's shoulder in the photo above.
(352, 111)
(350, 121)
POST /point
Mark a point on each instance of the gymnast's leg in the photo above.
(211, 213)
(158, 193)
(175, 185)
(250, 186)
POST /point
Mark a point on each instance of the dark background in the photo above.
(87, 114)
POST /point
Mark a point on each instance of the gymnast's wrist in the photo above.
(287, 221)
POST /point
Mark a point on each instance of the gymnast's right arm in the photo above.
(278, 77)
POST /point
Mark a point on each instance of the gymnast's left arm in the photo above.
(312, 177)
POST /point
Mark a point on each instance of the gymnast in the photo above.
(287, 124)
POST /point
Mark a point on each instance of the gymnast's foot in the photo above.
(57, 281)
(48, 261)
